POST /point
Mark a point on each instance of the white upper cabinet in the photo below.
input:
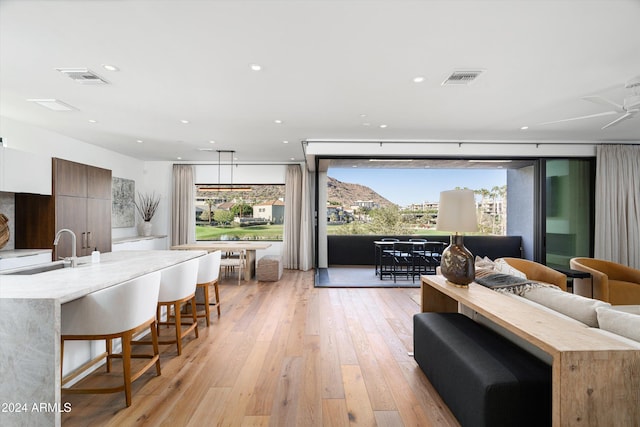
(23, 172)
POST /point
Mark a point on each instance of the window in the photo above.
(404, 201)
(239, 212)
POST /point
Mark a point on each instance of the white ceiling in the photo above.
(325, 63)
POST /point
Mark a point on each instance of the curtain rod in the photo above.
(215, 163)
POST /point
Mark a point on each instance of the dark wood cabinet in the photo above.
(81, 202)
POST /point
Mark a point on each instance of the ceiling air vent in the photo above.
(464, 77)
(83, 76)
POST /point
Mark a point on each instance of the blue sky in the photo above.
(406, 186)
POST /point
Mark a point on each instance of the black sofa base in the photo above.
(484, 379)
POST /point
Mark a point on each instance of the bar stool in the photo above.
(178, 286)
(116, 312)
(208, 274)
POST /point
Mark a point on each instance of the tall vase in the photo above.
(144, 229)
(457, 264)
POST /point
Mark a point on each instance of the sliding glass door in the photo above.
(568, 193)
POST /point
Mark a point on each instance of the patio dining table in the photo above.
(425, 257)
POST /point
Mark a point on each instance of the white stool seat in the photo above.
(178, 286)
(116, 312)
(208, 274)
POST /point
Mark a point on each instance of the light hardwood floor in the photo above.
(284, 354)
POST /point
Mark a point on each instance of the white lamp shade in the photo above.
(457, 211)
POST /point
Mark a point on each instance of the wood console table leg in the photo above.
(435, 301)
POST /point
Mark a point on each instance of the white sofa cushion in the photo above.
(541, 307)
(500, 265)
(619, 322)
(575, 306)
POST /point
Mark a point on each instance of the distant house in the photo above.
(272, 211)
(369, 204)
(226, 206)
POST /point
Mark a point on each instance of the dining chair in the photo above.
(119, 311)
(403, 260)
(234, 261)
(385, 256)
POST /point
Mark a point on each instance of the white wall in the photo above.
(36, 140)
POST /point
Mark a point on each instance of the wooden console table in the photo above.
(595, 379)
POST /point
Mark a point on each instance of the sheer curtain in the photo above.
(617, 230)
(183, 229)
(297, 224)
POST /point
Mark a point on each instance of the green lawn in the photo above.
(255, 232)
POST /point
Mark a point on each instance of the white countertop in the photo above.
(71, 283)
(135, 239)
(17, 253)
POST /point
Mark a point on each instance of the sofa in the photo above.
(612, 282)
(546, 289)
(592, 347)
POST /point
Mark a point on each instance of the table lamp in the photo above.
(457, 213)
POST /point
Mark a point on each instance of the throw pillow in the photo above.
(484, 263)
(503, 267)
(575, 306)
(619, 322)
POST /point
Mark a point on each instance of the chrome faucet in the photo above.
(73, 258)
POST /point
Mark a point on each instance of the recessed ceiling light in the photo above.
(53, 104)
(383, 126)
(186, 122)
(212, 142)
(139, 141)
(110, 67)
(418, 79)
(255, 67)
(235, 158)
(524, 128)
(93, 121)
(363, 115)
(285, 142)
(293, 158)
(277, 121)
(179, 158)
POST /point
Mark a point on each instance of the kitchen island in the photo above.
(30, 328)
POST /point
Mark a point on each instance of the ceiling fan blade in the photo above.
(606, 113)
(604, 101)
(619, 119)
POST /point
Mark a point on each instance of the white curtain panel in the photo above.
(306, 223)
(183, 229)
(617, 199)
(292, 207)
(297, 252)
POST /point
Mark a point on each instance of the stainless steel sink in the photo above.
(35, 269)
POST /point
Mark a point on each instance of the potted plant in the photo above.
(146, 205)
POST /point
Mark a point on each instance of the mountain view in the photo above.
(345, 194)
